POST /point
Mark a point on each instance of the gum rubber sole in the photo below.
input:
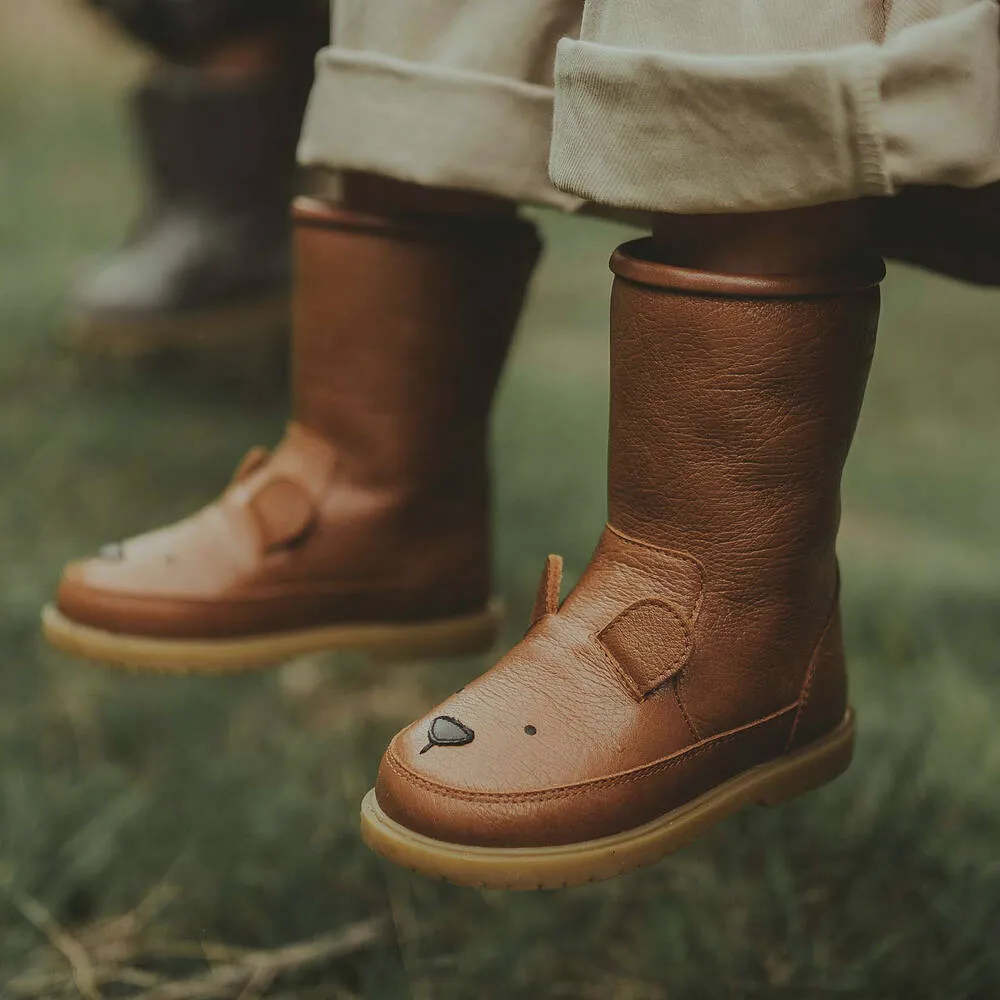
(592, 860)
(237, 326)
(472, 633)
(245, 342)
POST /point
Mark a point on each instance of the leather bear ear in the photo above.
(649, 642)
(547, 598)
(250, 463)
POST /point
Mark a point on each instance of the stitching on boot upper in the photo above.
(563, 791)
(807, 681)
(692, 619)
(683, 710)
(677, 553)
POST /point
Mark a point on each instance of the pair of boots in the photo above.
(697, 665)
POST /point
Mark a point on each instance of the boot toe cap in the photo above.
(88, 595)
(453, 814)
(155, 584)
(507, 762)
(491, 807)
(498, 799)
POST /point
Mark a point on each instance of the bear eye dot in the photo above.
(530, 730)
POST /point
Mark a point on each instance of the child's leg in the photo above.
(697, 665)
(369, 526)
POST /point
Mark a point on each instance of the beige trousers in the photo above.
(686, 106)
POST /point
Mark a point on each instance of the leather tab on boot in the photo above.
(648, 643)
(284, 511)
(547, 598)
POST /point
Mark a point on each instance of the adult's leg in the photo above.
(205, 271)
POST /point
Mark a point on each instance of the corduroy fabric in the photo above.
(443, 93)
(662, 105)
(680, 118)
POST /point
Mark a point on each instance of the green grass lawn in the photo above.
(155, 830)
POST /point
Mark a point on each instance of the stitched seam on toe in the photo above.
(566, 791)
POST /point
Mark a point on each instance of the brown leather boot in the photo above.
(697, 666)
(369, 526)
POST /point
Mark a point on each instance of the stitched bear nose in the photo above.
(445, 731)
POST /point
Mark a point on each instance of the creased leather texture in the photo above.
(703, 637)
(375, 506)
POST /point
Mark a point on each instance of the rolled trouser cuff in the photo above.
(695, 133)
(431, 125)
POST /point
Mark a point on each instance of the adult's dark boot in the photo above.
(206, 270)
(369, 526)
(953, 231)
(697, 666)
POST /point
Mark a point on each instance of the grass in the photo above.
(172, 827)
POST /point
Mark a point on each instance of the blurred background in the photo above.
(188, 838)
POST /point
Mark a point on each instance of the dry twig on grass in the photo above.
(235, 974)
(76, 956)
(256, 969)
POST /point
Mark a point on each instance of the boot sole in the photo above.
(592, 860)
(465, 634)
(250, 336)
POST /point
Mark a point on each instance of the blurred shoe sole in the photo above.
(249, 338)
(465, 634)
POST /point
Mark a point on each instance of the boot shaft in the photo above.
(733, 404)
(401, 330)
